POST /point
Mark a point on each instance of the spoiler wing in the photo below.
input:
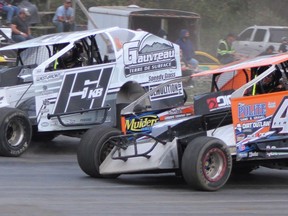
(247, 64)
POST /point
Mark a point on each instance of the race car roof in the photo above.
(246, 64)
(57, 38)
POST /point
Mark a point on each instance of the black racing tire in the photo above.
(16, 132)
(93, 149)
(206, 164)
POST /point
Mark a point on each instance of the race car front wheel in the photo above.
(206, 164)
(94, 148)
(15, 130)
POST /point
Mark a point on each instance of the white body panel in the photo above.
(162, 157)
(226, 134)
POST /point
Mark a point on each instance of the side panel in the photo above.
(260, 124)
(71, 91)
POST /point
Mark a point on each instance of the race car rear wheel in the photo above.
(206, 164)
(15, 130)
(93, 150)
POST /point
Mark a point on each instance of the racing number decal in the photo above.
(280, 118)
(82, 91)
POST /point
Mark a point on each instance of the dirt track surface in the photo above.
(47, 181)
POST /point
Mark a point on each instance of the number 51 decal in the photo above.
(280, 118)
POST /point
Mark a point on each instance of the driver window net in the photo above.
(34, 55)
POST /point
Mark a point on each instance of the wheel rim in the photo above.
(214, 164)
(105, 150)
(15, 133)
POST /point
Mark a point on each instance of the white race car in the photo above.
(67, 82)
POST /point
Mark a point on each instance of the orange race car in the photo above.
(236, 126)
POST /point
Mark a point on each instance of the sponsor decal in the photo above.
(171, 90)
(70, 121)
(252, 125)
(271, 105)
(86, 120)
(175, 113)
(161, 77)
(177, 116)
(44, 124)
(241, 147)
(251, 111)
(242, 155)
(141, 123)
(148, 55)
(247, 148)
(212, 103)
(250, 130)
(273, 154)
(47, 77)
(219, 102)
(240, 137)
(54, 123)
(253, 154)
